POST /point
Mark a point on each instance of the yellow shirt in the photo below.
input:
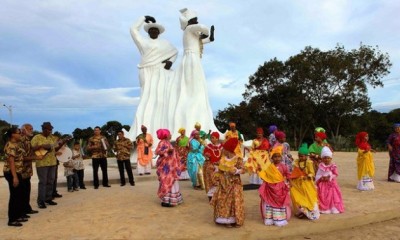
(50, 158)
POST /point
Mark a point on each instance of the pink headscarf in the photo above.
(193, 133)
(162, 133)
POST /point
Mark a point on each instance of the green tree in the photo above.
(313, 88)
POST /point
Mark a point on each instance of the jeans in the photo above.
(127, 165)
(46, 177)
(72, 181)
(102, 162)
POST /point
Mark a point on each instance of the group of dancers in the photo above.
(306, 185)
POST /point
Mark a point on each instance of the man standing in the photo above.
(144, 143)
(48, 144)
(123, 148)
(98, 146)
(27, 170)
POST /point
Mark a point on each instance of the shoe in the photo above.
(76, 189)
(32, 212)
(122, 184)
(57, 195)
(166, 204)
(14, 224)
(147, 173)
(70, 190)
(25, 216)
(96, 187)
(42, 205)
(106, 186)
(132, 183)
(140, 174)
(51, 202)
(83, 187)
(21, 219)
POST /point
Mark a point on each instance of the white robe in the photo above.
(152, 110)
(189, 98)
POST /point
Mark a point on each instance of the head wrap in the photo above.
(232, 124)
(319, 129)
(272, 128)
(396, 125)
(321, 135)
(230, 144)
(162, 133)
(154, 25)
(361, 142)
(303, 150)
(193, 133)
(215, 134)
(260, 130)
(181, 130)
(326, 152)
(280, 135)
(277, 149)
(202, 134)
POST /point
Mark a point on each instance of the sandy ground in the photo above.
(135, 212)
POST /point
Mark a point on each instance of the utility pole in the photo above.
(9, 108)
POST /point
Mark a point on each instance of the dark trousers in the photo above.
(46, 177)
(127, 165)
(102, 162)
(15, 203)
(81, 175)
(26, 184)
(55, 180)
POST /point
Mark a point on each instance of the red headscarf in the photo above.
(321, 135)
(215, 134)
(260, 131)
(361, 142)
(279, 135)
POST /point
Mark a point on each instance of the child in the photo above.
(365, 163)
(168, 171)
(285, 149)
(258, 159)
(303, 192)
(329, 195)
(72, 176)
(316, 148)
(79, 167)
(228, 201)
(274, 193)
(212, 153)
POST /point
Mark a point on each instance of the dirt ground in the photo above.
(135, 212)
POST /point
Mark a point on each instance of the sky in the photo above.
(74, 63)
